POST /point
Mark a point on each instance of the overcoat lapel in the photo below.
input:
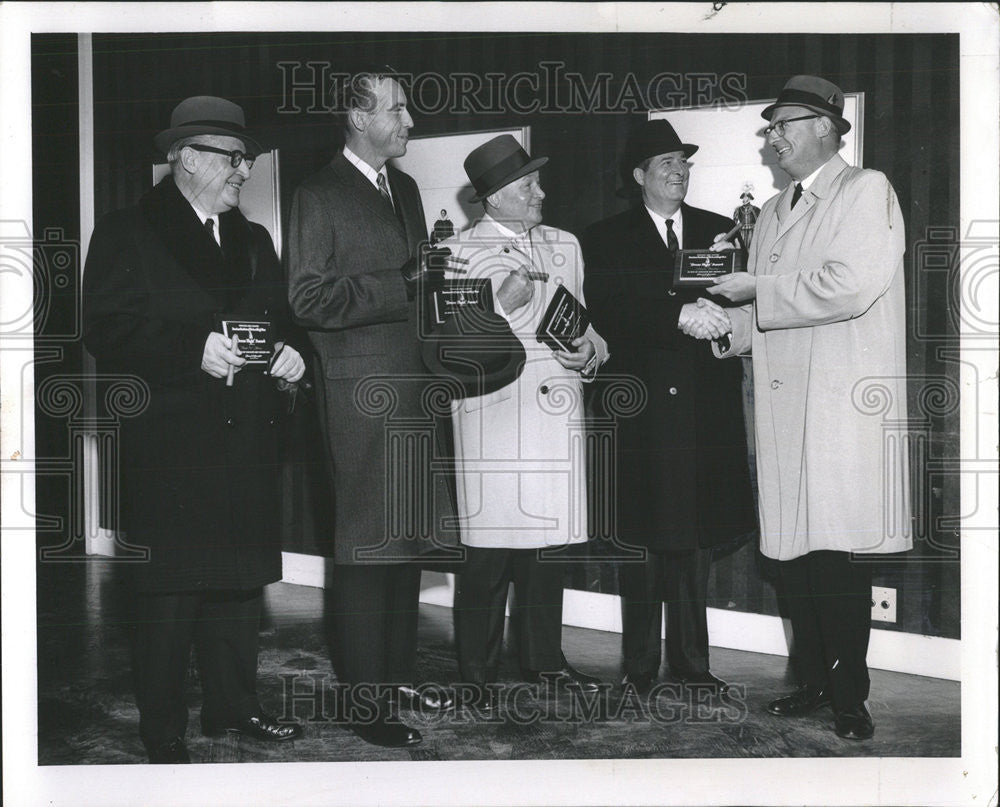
(367, 195)
(787, 215)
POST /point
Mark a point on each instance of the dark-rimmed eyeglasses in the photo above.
(236, 157)
(778, 127)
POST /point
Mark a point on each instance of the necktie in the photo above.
(384, 189)
(672, 243)
(210, 229)
(796, 194)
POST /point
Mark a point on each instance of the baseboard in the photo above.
(910, 653)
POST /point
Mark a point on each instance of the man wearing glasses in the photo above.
(198, 463)
(825, 321)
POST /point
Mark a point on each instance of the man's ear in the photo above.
(825, 126)
(493, 200)
(189, 160)
(359, 119)
(639, 176)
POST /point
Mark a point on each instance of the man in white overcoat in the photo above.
(825, 323)
(521, 484)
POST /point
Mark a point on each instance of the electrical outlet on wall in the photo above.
(883, 604)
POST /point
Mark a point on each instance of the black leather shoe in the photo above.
(705, 679)
(804, 700)
(261, 726)
(855, 724)
(172, 752)
(560, 678)
(387, 733)
(423, 699)
(641, 682)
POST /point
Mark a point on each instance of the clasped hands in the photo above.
(704, 320)
(220, 355)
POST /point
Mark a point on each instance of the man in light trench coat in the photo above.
(520, 484)
(825, 323)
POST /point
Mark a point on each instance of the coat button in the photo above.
(543, 389)
(231, 423)
(271, 421)
(775, 384)
(672, 390)
(774, 256)
(672, 293)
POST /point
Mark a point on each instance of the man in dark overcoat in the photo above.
(683, 479)
(353, 281)
(199, 464)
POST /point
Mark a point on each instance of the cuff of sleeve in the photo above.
(764, 302)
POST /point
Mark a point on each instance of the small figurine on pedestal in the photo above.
(443, 228)
(746, 215)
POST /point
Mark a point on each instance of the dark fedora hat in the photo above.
(650, 138)
(496, 163)
(475, 348)
(815, 93)
(206, 115)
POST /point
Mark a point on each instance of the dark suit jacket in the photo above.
(683, 478)
(345, 250)
(199, 460)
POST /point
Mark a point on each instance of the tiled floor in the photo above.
(87, 714)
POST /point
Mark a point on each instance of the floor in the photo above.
(87, 715)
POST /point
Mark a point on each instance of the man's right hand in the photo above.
(425, 269)
(219, 356)
(704, 320)
(516, 290)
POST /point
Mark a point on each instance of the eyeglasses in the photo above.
(236, 157)
(778, 127)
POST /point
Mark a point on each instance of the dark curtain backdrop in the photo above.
(911, 86)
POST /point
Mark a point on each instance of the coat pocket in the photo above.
(479, 402)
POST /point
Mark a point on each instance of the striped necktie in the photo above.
(672, 243)
(384, 189)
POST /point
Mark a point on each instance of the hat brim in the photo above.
(533, 165)
(843, 125)
(475, 349)
(165, 139)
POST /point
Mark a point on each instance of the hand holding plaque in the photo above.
(564, 321)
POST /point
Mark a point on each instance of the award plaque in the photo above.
(564, 320)
(700, 267)
(256, 343)
(455, 295)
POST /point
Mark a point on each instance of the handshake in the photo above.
(705, 320)
(425, 271)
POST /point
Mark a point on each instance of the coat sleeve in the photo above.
(858, 266)
(618, 308)
(120, 326)
(321, 293)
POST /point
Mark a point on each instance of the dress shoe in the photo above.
(172, 752)
(423, 699)
(261, 726)
(567, 676)
(641, 682)
(804, 700)
(855, 724)
(706, 680)
(387, 733)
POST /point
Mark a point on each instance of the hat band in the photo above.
(218, 124)
(804, 98)
(499, 172)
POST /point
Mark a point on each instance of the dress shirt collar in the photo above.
(203, 217)
(660, 221)
(370, 173)
(520, 240)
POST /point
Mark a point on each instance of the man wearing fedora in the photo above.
(824, 319)
(354, 280)
(198, 479)
(520, 487)
(683, 479)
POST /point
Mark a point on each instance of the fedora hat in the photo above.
(204, 115)
(815, 93)
(475, 348)
(650, 138)
(496, 163)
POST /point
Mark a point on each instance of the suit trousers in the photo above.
(480, 597)
(373, 611)
(679, 579)
(829, 603)
(224, 628)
